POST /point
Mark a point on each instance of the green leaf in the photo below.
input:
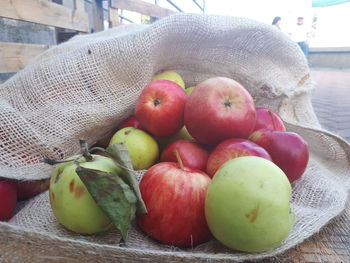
(113, 195)
(119, 153)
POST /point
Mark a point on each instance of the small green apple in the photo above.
(189, 90)
(143, 149)
(183, 134)
(248, 204)
(71, 202)
(170, 75)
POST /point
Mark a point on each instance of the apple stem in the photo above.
(273, 121)
(85, 150)
(179, 160)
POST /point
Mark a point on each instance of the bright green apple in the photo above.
(189, 90)
(248, 204)
(143, 148)
(170, 75)
(70, 201)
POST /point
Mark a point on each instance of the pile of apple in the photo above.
(201, 187)
(216, 166)
(12, 191)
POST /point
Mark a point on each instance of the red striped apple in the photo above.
(192, 155)
(160, 108)
(175, 196)
(218, 109)
(268, 119)
(233, 148)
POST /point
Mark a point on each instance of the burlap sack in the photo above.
(85, 87)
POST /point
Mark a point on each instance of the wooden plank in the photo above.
(142, 8)
(79, 5)
(113, 16)
(97, 16)
(14, 56)
(45, 12)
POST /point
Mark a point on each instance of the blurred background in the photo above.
(328, 20)
(29, 27)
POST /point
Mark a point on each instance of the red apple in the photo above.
(218, 109)
(8, 200)
(233, 148)
(130, 122)
(192, 155)
(268, 119)
(160, 108)
(288, 150)
(175, 199)
(28, 189)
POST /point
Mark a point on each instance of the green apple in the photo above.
(71, 202)
(183, 134)
(248, 204)
(170, 75)
(143, 148)
(189, 90)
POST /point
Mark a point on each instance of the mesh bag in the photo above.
(83, 88)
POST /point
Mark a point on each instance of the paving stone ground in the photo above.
(331, 100)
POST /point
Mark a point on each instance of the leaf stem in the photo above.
(53, 162)
(98, 149)
(179, 160)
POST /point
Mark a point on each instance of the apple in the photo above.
(287, 149)
(219, 108)
(170, 75)
(189, 90)
(233, 148)
(28, 189)
(160, 108)
(8, 200)
(248, 204)
(183, 134)
(268, 119)
(130, 122)
(193, 156)
(174, 196)
(143, 149)
(71, 202)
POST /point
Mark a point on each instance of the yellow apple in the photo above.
(189, 90)
(170, 75)
(143, 149)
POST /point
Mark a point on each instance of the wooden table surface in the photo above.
(331, 101)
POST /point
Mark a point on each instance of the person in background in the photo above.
(276, 22)
(300, 36)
